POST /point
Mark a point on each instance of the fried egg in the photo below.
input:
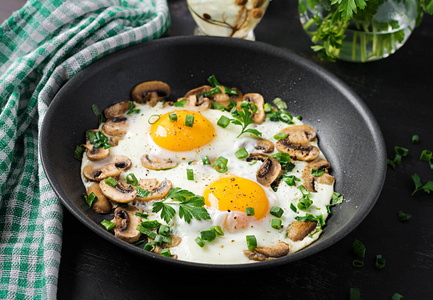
(192, 140)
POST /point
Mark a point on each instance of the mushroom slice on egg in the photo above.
(116, 126)
(298, 230)
(101, 205)
(258, 100)
(154, 162)
(268, 172)
(257, 156)
(157, 191)
(113, 168)
(121, 193)
(310, 180)
(264, 145)
(151, 92)
(200, 104)
(268, 253)
(126, 224)
(94, 153)
(297, 143)
(117, 109)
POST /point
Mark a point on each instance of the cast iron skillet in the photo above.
(348, 133)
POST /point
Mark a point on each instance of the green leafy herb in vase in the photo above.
(360, 30)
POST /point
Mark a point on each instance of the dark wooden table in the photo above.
(398, 90)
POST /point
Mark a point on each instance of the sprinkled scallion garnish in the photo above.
(142, 193)
(380, 262)
(358, 249)
(98, 114)
(108, 225)
(241, 153)
(403, 217)
(111, 181)
(90, 199)
(189, 120)
(172, 117)
(317, 173)
(98, 139)
(205, 160)
(223, 121)
(180, 103)
(276, 223)
(131, 179)
(415, 139)
(399, 153)
(220, 165)
(280, 136)
(251, 242)
(132, 109)
(250, 211)
(276, 211)
(153, 119)
(190, 174)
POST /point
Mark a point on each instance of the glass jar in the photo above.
(230, 18)
(373, 33)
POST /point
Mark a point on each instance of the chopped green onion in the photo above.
(280, 136)
(397, 296)
(251, 242)
(108, 225)
(336, 199)
(131, 109)
(90, 199)
(151, 224)
(250, 211)
(292, 207)
(189, 120)
(304, 203)
(190, 174)
(218, 106)
(390, 163)
(355, 294)
(180, 103)
(153, 119)
(210, 93)
(241, 153)
(150, 246)
(231, 92)
(98, 114)
(358, 248)
(317, 173)
(284, 116)
(152, 235)
(403, 217)
(208, 235)
(142, 193)
(358, 263)
(276, 223)
(299, 118)
(199, 242)
(290, 179)
(284, 160)
(78, 153)
(415, 139)
(205, 160)
(276, 211)
(164, 230)
(267, 108)
(220, 164)
(308, 217)
(401, 151)
(139, 214)
(280, 104)
(165, 252)
(380, 262)
(213, 81)
(158, 239)
(131, 179)
(426, 155)
(111, 181)
(223, 122)
(98, 139)
(173, 117)
(217, 230)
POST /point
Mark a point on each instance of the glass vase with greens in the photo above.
(360, 30)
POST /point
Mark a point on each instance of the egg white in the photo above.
(227, 249)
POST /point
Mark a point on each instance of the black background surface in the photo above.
(397, 91)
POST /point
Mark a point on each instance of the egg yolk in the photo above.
(179, 133)
(236, 194)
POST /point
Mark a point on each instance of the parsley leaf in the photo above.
(428, 187)
(190, 206)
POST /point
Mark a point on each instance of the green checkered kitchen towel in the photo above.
(43, 45)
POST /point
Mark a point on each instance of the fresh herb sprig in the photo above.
(190, 206)
(243, 118)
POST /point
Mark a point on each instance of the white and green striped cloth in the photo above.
(42, 46)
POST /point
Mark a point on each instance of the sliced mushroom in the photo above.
(268, 172)
(310, 180)
(298, 230)
(154, 162)
(258, 100)
(126, 224)
(116, 126)
(94, 153)
(264, 145)
(224, 99)
(121, 193)
(268, 253)
(151, 92)
(297, 143)
(117, 109)
(200, 104)
(113, 168)
(257, 156)
(157, 191)
(101, 205)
